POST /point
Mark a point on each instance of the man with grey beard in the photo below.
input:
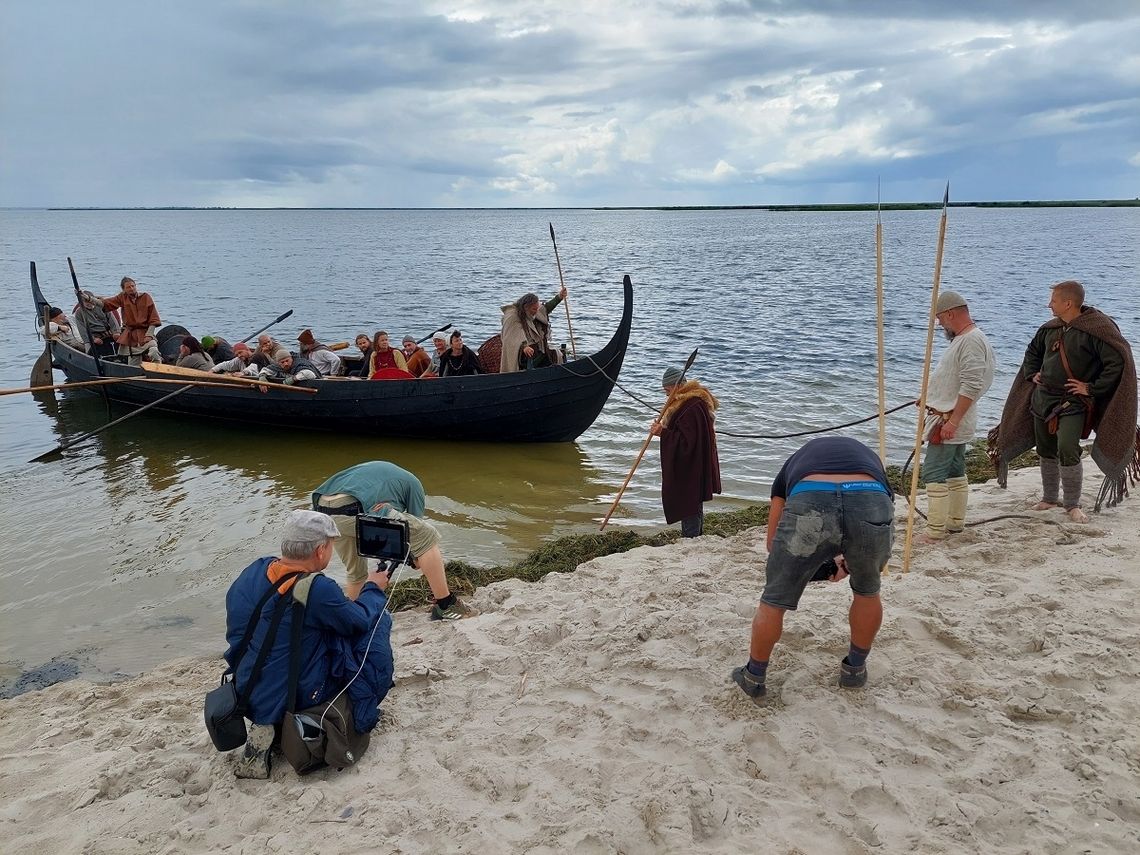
(963, 374)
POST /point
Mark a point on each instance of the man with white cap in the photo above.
(690, 465)
(963, 374)
(307, 546)
(439, 342)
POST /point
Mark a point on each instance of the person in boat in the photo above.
(364, 345)
(140, 321)
(242, 363)
(459, 360)
(217, 348)
(526, 333)
(690, 465)
(327, 362)
(271, 348)
(416, 357)
(439, 342)
(97, 326)
(380, 487)
(340, 638)
(830, 497)
(63, 329)
(289, 368)
(191, 355)
(384, 356)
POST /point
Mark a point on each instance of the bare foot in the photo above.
(1044, 506)
(1077, 515)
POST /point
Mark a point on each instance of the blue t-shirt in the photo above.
(376, 482)
(825, 456)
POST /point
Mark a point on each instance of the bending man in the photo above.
(830, 497)
(381, 487)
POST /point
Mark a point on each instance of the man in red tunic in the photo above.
(140, 320)
(690, 467)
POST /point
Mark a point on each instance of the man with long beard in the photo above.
(690, 466)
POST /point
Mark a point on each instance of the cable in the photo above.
(817, 430)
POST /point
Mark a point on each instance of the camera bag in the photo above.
(225, 707)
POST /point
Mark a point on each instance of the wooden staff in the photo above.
(920, 430)
(882, 344)
(214, 379)
(569, 326)
(648, 439)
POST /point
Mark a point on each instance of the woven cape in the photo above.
(1116, 448)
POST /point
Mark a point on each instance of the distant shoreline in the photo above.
(838, 207)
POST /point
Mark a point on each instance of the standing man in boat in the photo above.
(690, 465)
(98, 326)
(1077, 377)
(140, 321)
(526, 333)
(964, 373)
(381, 487)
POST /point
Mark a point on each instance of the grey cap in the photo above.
(410, 337)
(948, 300)
(672, 376)
(307, 526)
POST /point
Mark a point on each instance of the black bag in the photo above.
(225, 707)
(322, 735)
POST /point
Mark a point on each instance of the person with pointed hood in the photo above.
(526, 333)
(690, 465)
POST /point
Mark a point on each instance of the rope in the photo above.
(816, 430)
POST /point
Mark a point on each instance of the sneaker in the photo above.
(456, 611)
(851, 677)
(749, 685)
(254, 759)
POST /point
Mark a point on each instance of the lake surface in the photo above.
(118, 556)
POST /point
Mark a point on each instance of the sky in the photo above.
(514, 103)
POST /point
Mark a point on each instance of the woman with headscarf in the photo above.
(526, 333)
(192, 355)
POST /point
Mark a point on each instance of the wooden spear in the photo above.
(562, 282)
(882, 345)
(645, 445)
(921, 427)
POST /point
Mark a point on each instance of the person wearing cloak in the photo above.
(690, 466)
(526, 334)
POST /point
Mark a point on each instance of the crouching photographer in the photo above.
(308, 667)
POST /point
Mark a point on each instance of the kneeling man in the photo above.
(831, 497)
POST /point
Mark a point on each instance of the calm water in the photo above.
(119, 554)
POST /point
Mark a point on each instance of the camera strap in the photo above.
(270, 636)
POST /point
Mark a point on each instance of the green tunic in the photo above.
(1090, 358)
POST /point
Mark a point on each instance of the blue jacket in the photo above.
(329, 617)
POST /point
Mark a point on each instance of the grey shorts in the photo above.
(819, 525)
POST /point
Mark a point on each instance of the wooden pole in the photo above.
(648, 439)
(562, 282)
(214, 379)
(882, 344)
(109, 380)
(921, 427)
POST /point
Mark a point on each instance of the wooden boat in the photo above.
(553, 404)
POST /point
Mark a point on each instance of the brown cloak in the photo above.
(690, 466)
(1115, 449)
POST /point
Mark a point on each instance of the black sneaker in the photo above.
(456, 611)
(850, 676)
(749, 684)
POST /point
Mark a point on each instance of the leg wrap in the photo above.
(1050, 479)
(956, 511)
(937, 506)
(1071, 484)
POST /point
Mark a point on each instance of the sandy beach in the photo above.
(592, 712)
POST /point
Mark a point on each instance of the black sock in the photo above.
(857, 656)
(757, 669)
(446, 603)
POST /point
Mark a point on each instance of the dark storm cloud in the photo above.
(271, 160)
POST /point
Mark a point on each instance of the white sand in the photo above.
(593, 713)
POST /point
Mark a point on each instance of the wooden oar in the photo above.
(566, 301)
(107, 381)
(209, 379)
(278, 320)
(444, 328)
(645, 445)
(921, 428)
